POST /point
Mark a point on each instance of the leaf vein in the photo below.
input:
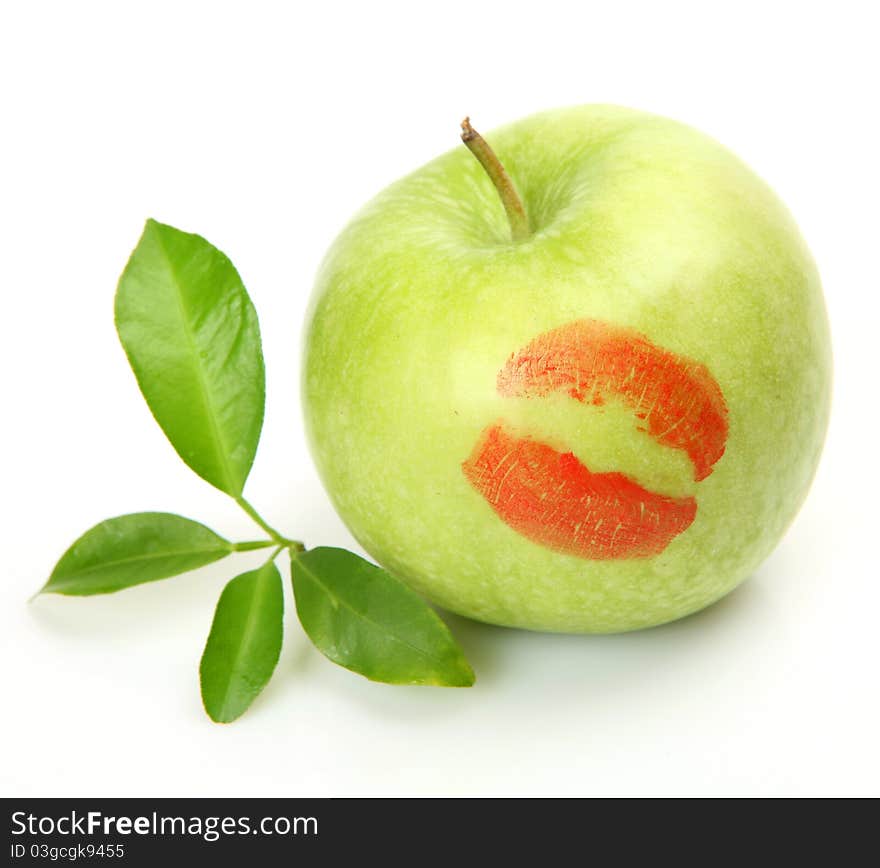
(247, 636)
(207, 399)
(144, 557)
(438, 660)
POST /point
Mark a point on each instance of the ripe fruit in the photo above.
(600, 414)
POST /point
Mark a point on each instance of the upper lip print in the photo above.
(555, 500)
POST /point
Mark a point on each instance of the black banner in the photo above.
(140, 832)
(135, 832)
(158, 832)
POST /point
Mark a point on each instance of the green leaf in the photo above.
(244, 643)
(364, 619)
(132, 549)
(192, 337)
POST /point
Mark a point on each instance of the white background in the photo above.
(263, 127)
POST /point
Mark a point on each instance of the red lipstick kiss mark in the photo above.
(676, 397)
(551, 497)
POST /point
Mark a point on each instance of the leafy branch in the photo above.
(192, 337)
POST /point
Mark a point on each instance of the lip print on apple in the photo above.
(551, 497)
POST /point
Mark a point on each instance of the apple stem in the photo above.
(513, 205)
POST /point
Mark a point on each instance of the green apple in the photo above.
(587, 395)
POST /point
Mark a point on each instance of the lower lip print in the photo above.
(553, 499)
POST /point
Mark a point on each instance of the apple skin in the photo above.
(638, 221)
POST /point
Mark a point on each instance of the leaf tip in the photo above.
(220, 716)
(464, 678)
(36, 594)
(157, 229)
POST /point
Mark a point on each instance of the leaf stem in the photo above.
(259, 520)
(252, 545)
(510, 198)
(276, 551)
(276, 537)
